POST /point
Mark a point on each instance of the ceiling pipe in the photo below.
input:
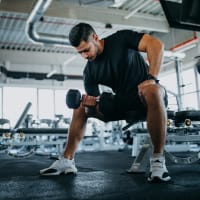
(35, 16)
(191, 41)
(142, 5)
(38, 75)
(51, 73)
(172, 54)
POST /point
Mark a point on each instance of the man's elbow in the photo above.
(158, 44)
(161, 45)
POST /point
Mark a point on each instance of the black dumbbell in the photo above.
(73, 98)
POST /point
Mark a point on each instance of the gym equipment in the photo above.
(74, 98)
(8, 134)
(23, 115)
(20, 150)
(28, 141)
(186, 131)
(4, 132)
(28, 120)
(127, 138)
(180, 138)
(23, 142)
(187, 117)
(61, 122)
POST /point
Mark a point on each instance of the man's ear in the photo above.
(95, 36)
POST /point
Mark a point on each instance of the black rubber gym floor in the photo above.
(102, 175)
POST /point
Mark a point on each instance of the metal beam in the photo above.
(63, 9)
(178, 66)
(133, 12)
(112, 16)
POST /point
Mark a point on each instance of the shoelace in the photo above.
(157, 163)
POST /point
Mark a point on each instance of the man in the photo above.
(115, 61)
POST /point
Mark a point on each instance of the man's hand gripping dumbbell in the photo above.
(104, 101)
(74, 99)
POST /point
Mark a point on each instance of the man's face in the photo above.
(89, 49)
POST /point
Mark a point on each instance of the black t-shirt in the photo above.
(120, 66)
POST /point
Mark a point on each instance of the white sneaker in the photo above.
(158, 170)
(61, 166)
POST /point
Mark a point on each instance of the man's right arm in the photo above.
(90, 86)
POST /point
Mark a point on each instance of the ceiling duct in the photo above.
(35, 16)
(38, 76)
(183, 14)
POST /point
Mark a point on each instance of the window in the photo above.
(170, 83)
(60, 104)
(46, 103)
(14, 101)
(189, 96)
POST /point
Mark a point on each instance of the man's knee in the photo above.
(154, 94)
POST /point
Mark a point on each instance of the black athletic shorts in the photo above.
(125, 105)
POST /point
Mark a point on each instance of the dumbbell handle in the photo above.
(74, 98)
(89, 100)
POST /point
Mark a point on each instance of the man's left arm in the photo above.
(154, 49)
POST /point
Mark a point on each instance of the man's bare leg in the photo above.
(77, 128)
(156, 123)
(156, 116)
(76, 131)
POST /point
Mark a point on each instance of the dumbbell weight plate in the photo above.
(73, 98)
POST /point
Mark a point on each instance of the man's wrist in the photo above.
(151, 77)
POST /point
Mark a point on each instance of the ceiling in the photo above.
(20, 53)
(61, 15)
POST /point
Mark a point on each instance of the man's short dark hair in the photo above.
(80, 32)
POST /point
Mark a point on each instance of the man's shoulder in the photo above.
(125, 31)
(123, 35)
(120, 32)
